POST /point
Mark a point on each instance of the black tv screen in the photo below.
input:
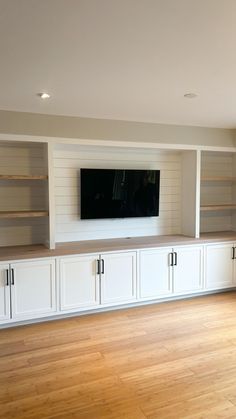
(112, 193)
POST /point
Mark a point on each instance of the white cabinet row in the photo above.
(43, 288)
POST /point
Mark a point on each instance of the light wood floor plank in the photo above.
(175, 360)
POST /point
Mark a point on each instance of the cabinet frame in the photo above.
(220, 245)
(94, 258)
(14, 316)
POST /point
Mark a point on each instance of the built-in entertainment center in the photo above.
(89, 225)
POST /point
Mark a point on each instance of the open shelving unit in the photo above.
(40, 190)
(24, 193)
(218, 191)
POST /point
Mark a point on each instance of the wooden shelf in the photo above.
(217, 207)
(218, 179)
(23, 177)
(23, 214)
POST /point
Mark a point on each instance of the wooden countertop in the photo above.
(109, 245)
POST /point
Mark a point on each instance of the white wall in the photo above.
(67, 163)
(88, 128)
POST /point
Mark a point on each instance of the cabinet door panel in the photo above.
(4, 294)
(34, 289)
(79, 282)
(219, 266)
(155, 273)
(118, 283)
(188, 272)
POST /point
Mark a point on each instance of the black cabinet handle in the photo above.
(103, 266)
(175, 263)
(98, 267)
(7, 272)
(233, 254)
(12, 277)
(171, 259)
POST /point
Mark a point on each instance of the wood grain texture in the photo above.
(218, 179)
(173, 360)
(111, 245)
(23, 177)
(217, 207)
(23, 214)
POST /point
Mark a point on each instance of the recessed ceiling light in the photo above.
(190, 95)
(43, 95)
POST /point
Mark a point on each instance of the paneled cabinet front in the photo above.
(79, 282)
(118, 278)
(95, 280)
(188, 269)
(220, 265)
(33, 289)
(27, 290)
(156, 274)
(171, 271)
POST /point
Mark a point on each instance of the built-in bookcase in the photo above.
(24, 197)
(40, 190)
(218, 191)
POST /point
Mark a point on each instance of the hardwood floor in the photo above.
(172, 360)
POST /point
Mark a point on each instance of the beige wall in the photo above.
(87, 128)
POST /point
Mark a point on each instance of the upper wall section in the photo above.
(23, 123)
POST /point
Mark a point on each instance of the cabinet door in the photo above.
(219, 266)
(33, 289)
(155, 273)
(188, 269)
(79, 282)
(4, 293)
(118, 278)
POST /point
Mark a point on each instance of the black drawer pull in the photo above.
(175, 263)
(12, 277)
(7, 272)
(98, 267)
(103, 266)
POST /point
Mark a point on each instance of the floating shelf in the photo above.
(217, 207)
(23, 214)
(218, 178)
(23, 177)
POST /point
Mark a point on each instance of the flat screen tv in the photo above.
(112, 193)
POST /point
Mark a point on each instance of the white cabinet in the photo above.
(188, 269)
(171, 271)
(155, 273)
(27, 290)
(220, 266)
(93, 280)
(79, 282)
(4, 293)
(118, 277)
(33, 288)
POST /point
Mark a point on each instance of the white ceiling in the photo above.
(121, 59)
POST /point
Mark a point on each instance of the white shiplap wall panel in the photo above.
(67, 164)
(18, 195)
(217, 192)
